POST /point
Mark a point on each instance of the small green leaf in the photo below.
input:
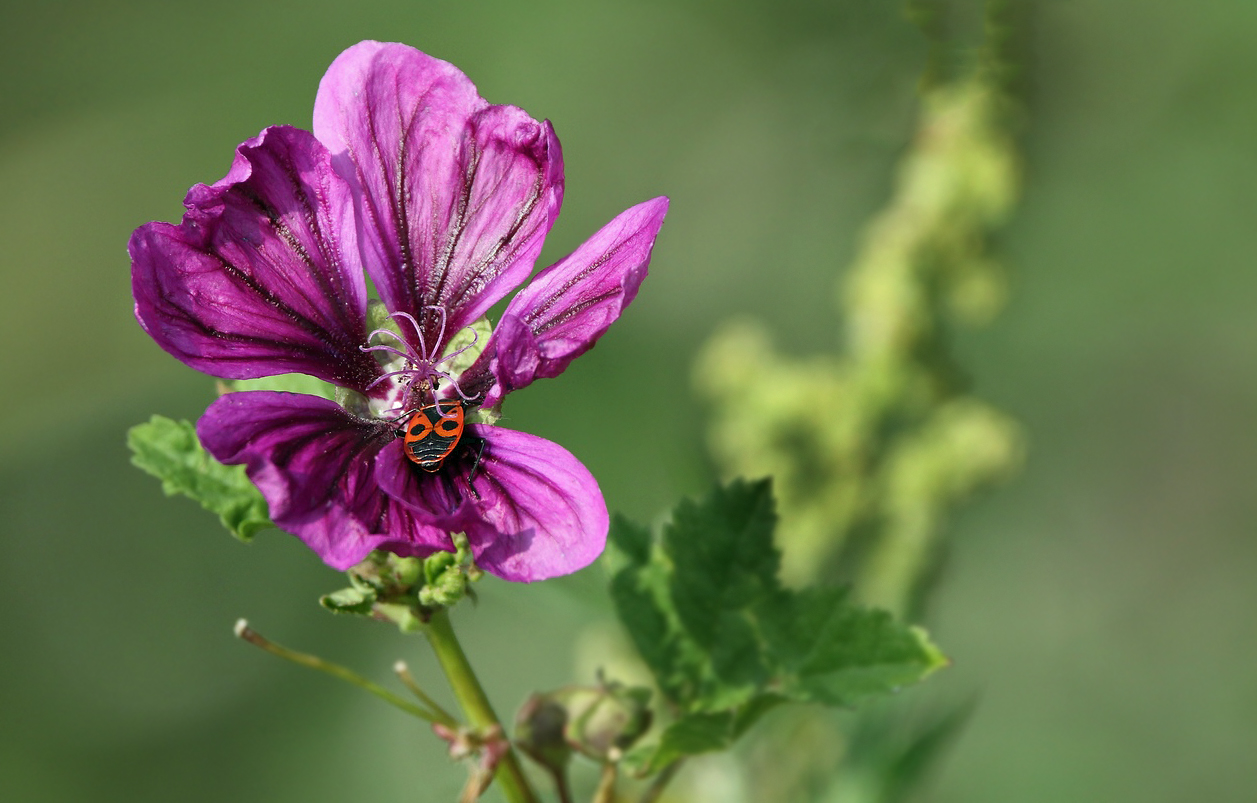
(349, 600)
(640, 600)
(170, 451)
(834, 652)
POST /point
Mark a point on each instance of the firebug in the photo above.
(433, 432)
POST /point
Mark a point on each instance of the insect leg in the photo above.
(471, 476)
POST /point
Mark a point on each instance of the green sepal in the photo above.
(473, 338)
(291, 383)
(446, 575)
(171, 452)
(607, 719)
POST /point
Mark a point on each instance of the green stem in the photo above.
(403, 674)
(335, 670)
(474, 702)
(661, 780)
(605, 792)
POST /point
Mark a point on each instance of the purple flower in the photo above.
(444, 201)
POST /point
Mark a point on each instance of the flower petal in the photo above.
(437, 498)
(569, 305)
(315, 464)
(539, 513)
(454, 196)
(262, 277)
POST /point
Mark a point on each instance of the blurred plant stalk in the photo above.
(872, 447)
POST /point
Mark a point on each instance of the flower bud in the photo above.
(539, 732)
(390, 575)
(600, 721)
(445, 580)
(606, 720)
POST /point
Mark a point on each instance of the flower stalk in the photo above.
(656, 787)
(408, 680)
(605, 793)
(475, 703)
(437, 715)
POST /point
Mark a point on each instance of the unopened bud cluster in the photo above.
(406, 590)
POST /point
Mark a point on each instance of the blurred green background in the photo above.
(1101, 606)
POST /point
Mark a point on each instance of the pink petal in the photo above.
(436, 498)
(540, 512)
(315, 465)
(569, 305)
(262, 277)
(454, 196)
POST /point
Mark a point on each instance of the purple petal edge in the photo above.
(262, 277)
(569, 305)
(454, 197)
(540, 513)
(314, 464)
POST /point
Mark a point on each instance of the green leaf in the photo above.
(724, 564)
(688, 736)
(170, 451)
(836, 653)
(349, 600)
(726, 642)
(641, 598)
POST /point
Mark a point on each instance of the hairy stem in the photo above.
(475, 704)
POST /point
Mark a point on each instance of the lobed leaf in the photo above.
(726, 642)
(641, 598)
(831, 651)
(171, 452)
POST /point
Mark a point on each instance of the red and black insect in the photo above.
(433, 432)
